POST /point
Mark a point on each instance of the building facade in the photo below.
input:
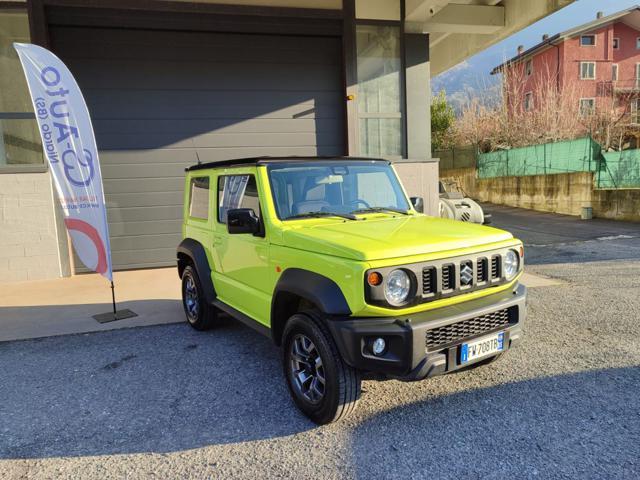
(171, 83)
(596, 64)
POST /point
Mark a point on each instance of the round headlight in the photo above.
(397, 287)
(511, 264)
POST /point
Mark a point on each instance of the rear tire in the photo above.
(322, 385)
(200, 315)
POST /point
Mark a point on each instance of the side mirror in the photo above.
(243, 220)
(418, 204)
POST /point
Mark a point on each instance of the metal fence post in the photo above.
(507, 163)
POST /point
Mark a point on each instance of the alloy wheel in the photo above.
(191, 299)
(306, 369)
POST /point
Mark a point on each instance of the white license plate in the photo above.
(482, 347)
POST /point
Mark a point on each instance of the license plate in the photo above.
(482, 347)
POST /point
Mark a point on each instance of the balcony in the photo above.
(619, 87)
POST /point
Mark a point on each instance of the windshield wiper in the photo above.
(348, 216)
(381, 209)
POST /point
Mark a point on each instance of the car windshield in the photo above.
(314, 189)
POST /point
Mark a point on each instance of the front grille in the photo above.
(495, 267)
(448, 277)
(482, 270)
(428, 280)
(447, 335)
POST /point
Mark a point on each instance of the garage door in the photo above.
(161, 101)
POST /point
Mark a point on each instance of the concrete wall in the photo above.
(420, 179)
(564, 193)
(29, 247)
(621, 204)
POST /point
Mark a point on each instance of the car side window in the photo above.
(237, 191)
(199, 198)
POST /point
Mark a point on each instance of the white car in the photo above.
(454, 204)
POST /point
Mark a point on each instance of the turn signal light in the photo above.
(521, 251)
(374, 279)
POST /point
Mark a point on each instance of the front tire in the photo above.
(323, 387)
(200, 315)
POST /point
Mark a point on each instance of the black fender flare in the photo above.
(194, 251)
(317, 289)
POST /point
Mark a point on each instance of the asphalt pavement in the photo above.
(170, 402)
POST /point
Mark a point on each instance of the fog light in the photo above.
(378, 346)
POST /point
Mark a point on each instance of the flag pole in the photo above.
(57, 98)
(115, 314)
(113, 299)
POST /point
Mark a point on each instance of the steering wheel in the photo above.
(358, 201)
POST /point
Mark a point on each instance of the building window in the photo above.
(638, 43)
(588, 70)
(20, 145)
(616, 43)
(528, 67)
(614, 72)
(237, 191)
(587, 106)
(379, 91)
(588, 40)
(199, 198)
(635, 111)
(528, 101)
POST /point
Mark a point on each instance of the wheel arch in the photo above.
(192, 252)
(297, 289)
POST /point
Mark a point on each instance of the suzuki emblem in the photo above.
(466, 274)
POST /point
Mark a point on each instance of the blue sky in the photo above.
(473, 74)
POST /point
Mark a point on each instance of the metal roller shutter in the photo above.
(160, 100)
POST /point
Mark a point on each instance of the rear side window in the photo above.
(199, 198)
(237, 191)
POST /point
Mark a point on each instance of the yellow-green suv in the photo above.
(332, 260)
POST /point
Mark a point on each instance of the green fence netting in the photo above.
(619, 170)
(458, 157)
(580, 155)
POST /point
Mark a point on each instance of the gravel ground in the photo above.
(169, 402)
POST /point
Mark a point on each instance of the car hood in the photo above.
(390, 237)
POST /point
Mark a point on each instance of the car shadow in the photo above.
(149, 389)
(169, 388)
(582, 424)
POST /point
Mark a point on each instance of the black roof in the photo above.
(264, 160)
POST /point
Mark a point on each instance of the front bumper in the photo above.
(409, 355)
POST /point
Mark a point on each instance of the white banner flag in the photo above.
(70, 147)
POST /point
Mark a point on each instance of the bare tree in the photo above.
(552, 112)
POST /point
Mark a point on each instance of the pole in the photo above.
(113, 298)
(115, 315)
